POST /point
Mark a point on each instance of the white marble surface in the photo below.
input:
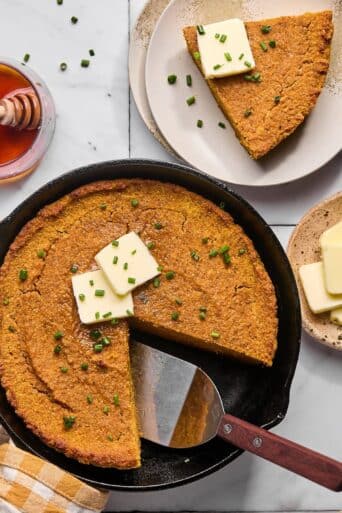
(87, 119)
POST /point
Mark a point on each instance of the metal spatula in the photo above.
(180, 407)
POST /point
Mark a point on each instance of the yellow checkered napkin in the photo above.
(31, 485)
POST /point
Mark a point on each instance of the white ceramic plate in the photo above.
(216, 151)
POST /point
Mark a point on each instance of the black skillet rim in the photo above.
(79, 175)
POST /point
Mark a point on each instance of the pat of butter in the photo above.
(127, 263)
(331, 245)
(96, 300)
(224, 48)
(336, 316)
(318, 298)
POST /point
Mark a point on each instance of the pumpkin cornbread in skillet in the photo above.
(267, 104)
(213, 293)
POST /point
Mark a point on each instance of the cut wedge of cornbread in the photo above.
(292, 59)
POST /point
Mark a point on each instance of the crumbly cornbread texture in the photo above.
(227, 307)
(292, 61)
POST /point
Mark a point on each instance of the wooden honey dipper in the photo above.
(20, 109)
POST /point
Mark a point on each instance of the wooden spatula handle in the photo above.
(300, 460)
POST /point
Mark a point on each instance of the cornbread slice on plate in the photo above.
(292, 61)
(213, 293)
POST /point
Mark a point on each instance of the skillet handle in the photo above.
(296, 458)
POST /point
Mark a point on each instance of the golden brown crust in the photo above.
(239, 298)
(295, 70)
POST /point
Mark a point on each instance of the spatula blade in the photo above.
(178, 404)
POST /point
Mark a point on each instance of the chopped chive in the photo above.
(151, 245)
(63, 66)
(226, 258)
(222, 125)
(156, 283)
(58, 335)
(115, 243)
(95, 334)
(158, 226)
(223, 249)
(197, 56)
(91, 283)
(175, 316)
(200, 30)
(217, 66)
(133, 252)
(5, 301)
(81, 297)
(202, 316)
(100, 292)
(265, 29)
(200, 123)
(41, 254)
(277, 99)
(134, 203)
(106, 410)
(105, 341)
(241, 56)
(91, 52)
(129, 313)
(160, 268)
(215, 334)
(170, 275)
(107, 315)
(11, 329)
(272, 43)
(248, 78)
(256, 77)
(98, 348)
(228, 56)
(248, 64)
(57, 349)
(26, 57)
(242, 251)
(23, 274)
(74, 20)
(103, 206)
(115, 260)
(110, 438)
(217, 36)
(190, 101)
(69, 421)
(85, 63)
(195, 256)
(213, 253)
(116, 400)
(59, 2)
(64, 370)
(97, 315)
(247, 113)
(74, 268)
(125, 266)
(84, 366)
(131, 281)
(114, 322)
(205, 240)
(89, 399)
(223, 38)
(203, 309)
(263, 46)
(172, 79)
(178, 302)
(189, 80)
(222, 205)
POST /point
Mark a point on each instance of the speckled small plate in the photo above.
(303, 249)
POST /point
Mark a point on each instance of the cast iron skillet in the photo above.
(258, 395)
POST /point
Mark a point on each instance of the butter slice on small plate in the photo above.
(96, 301)
(318, 298)
(225, 49)
(127, 263)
